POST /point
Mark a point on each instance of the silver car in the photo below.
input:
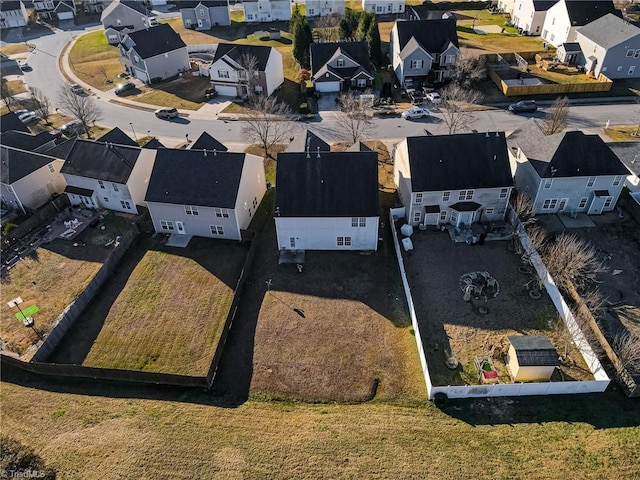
(415, 113)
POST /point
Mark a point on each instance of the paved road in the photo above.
(48, 47)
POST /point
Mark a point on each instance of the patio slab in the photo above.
(178, 240)
(582, 220)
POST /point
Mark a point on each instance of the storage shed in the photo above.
(531, 358)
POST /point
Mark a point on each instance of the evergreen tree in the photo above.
(302, 39)
(363, 26)
(375, 47)
(349, 23)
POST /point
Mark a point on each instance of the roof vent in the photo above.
(215, 153)
(205, 153)
(495, 157)
(318, 155)
(487, 134)
(497, 134)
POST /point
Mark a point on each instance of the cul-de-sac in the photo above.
(320, 239)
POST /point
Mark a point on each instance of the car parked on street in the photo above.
(524, 106)
(25, 67)
(75, 88)
(71, 128)
(123, 88)
(166, 112)
(415, 113)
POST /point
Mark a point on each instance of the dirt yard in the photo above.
(449, 324)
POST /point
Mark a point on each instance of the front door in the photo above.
(597, 204)
(180, 228)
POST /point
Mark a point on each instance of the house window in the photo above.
(106, 199)
(216, 230)
(583, 202)
(202, 13)
(619, 68)
(591, 181)
(362, 82)
(553, 36)
(416, 217)
(258, 88)
(548, 182)
(637, 53)
(343, 241)
(503, 193)
(446, 196)
(632, 69)
(223, 74)
(126, 205)
(617, 180)
(489, 211)
(166, 225)
(418, 198)
(443, 216)
(454, 216)
(256, 74)
(292, 242)
(450, 59)
(255, 202)
(191, 210)
(608, 202)
(631, 52)
(310, 11)
(136, 58)
(465, 195)
(221, 212)
(51, 169)
(115, 187)
(101, 184)
(379, 9)
(550, 204)
(340, 62)
(415, 64)
(553, 21)
(358, 221)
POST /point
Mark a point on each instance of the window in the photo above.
(249, 16)
(489, 211)
(358, 221)
(583, 202)
(415, 64)
(379, 9)
(450, 59)
(550, 204)
(418, 198)
(310, 11)
(416, 217)
(454, 216)
(553, 21)
(446, 196)
(632, 69)
(591, 181)
(202, 13)
(619, 68)
(166, 225)
(343, 241)
(340, 62)
(617, 180)
(221, 212)
(216, 230)
(292, 242)
(223, 74)
(362, 82)
(255, 202)
(465, 195)
(136, 58)
(191, 210)
(503, 193)
(126, 205)
(443, 216)
(256, 74)
(101, 183)
(51, 169)
(115, 187)
(553, 36)
(258, 88)
(106, 199)
(637, 53)
(631, 52)
(608, 202)
(604, 69)
(548, 182)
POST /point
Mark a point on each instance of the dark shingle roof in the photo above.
(321, 53)
(100, 161)
(534, 351)
(338, 184)
(236, 52)
(156, 41)
(153, 144)
(7, 6)
(433, 35)
(309, 141)
(456, 162)
(543, 5)
(565, 154)
(137, 6)
(582, 12)
(207, 3)
(25, 141)
(194, 177)
(10, 121)
(207, 142)
(17, 164)
(628, 153)
(117, 136)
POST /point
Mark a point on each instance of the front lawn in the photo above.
(185, 93)
(623, 133)
(94, 61)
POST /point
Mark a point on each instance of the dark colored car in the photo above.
(124, 88)
(210, 93)
(524, 106)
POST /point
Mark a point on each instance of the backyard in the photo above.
(163, 311)
(452, 327)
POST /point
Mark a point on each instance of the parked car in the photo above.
(123, 88)
(524, 106)
(166, 112)
(25, 67)
(75, 88)
(415, 113)
(434, 97)
(210, 93)
(20, 112)
(416, 97)
(28, 117)
(71, 128)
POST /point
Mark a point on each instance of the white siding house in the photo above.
(13, 14)
(506, 6)
(213, 194)
(327, 201)
(453, 179)
(383, 7)
(528, 15)
(566, 172)
(322, 8)
(266, 10)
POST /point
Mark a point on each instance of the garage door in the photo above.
(328, 86)
(16, 22)
(141, 75)
(226, 90)
(65, 16)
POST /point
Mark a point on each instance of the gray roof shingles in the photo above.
(432, 35)
(236, 52)
(609, 31)
(207, 142)
(156, 41)
(117, 136)
(582, 12)
(17, 164)
(321, 53)
(534, 351)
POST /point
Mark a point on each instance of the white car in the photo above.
(434, 97)
(28, 117)
(415, 113)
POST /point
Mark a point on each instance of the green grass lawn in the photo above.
(94, 61)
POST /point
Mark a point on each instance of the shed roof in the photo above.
(534, 351)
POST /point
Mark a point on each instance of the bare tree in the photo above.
(353, 119)
(268, 122)
(627, 348)
(470, 69)
(250, 75)
(456, 106)
(571, 260)
(523, 206)
(82, 107)
(41, 102)
(556, 119)
(7, 96)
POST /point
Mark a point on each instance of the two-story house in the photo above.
(336, 66)
(204, 14)
(39, 143)
(565, 172)
(629, 154)
(383, 7)
(155, 54)
(47, 10)
(610, 46)
(28, 179)
(205, 193)
(528, 15)
(93, 7)
(563, 19)
(13, 14)
(327, 201)
(424, 49)
(105, 175)
(237, 68)
(453, 179)
(506, 6)
(122, 17)
(266, 10)
(322, 8)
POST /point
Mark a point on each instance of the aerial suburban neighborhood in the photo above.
(320, 239)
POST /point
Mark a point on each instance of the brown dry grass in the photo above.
(184, 93)
(12, 49)
(15, 87)
(622, 133)
(170, 314)
(89, 55)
